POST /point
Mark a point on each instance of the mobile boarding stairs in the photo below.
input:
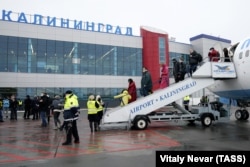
(140, 113)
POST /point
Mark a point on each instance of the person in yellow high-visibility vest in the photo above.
(186, 100)
(92, 106)
(20, 104)
(70, 116)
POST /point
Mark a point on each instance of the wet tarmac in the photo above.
(24, 143)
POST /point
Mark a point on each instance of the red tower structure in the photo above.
(155, 50)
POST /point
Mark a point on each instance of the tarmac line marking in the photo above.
(163, 137)
(13, 156)
(47, 153)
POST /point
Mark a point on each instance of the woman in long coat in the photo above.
(164, 80)
(132, 90)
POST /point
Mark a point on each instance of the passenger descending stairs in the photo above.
(202, 78)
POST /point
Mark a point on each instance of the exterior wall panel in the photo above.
(151, 59)
(23, 80)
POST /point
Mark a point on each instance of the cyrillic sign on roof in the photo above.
(39, 19)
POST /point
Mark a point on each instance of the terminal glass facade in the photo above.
(49, 56)
(28, 55)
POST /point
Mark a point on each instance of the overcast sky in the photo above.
(182, 19)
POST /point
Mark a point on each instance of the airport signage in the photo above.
(168, 94)
(39, 19)
(223, 70)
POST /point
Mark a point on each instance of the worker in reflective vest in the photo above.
(20, 104)
(92, 106)
(70, 115)
(186, 102)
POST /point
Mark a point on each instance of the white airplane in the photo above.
(237, 88)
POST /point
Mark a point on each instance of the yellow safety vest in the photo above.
(70, 101)
(91, 107)
(186, 98)
(20, 102)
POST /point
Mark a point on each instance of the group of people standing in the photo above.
(130, 94)
(43, 107)
(6, 105)
(180, 69)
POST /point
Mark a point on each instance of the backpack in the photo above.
(199, 57)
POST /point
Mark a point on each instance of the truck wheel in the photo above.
(245, 114)
(239, 114)
(206, 120)
(141, 123)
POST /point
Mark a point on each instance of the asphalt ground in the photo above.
(24, 143)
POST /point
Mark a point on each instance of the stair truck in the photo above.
(141, 112)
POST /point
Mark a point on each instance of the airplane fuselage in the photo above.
(238, 88)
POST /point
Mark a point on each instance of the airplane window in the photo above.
(240, 55)
(247, 53)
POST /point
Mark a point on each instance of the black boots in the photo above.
(66, 143)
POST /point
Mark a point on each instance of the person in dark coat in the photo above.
(99, 110)
(226, 55)
(193, 61)
(175, 65)
(27, 107)
(1, 108)
(146, 82)
(13, 108)
(43, 108)
(180, 70)
(56, 108)
(132, 90)
(34, 108)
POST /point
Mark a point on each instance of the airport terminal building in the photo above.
(48, 54)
